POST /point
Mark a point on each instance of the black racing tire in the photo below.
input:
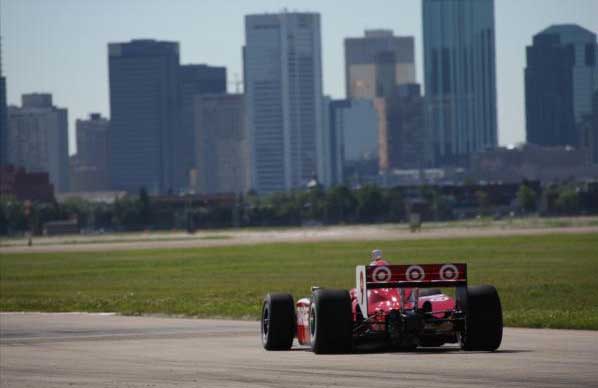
(429, 291)
(483, 319)
(331, 322)
(278, 323)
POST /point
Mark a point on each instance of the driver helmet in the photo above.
(377, 258)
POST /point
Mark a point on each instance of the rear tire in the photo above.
(331, 322)
(483, 319)
(278, 322)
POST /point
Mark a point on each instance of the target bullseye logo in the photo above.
(381, 274)
(449, 272)
(415, 273)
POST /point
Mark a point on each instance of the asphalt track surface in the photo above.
(95, 350)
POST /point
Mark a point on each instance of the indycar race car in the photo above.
(399, 305)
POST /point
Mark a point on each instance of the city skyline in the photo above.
(86, 91)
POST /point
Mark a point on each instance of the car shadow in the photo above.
(384, 349)
(429, 350)
(300, 349)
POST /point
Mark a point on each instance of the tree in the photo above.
(483, 201)
(102, 215)
(443, 206)
(370, 205)
(3, 219)
(126, 213)
(76, 208)
(284, 209)
(145, 207)
(395, 205)
(568, 200)
(340, 204)
(550, 195)
(431, 204)
(526, 198)
(14, 213)
(49, 212)
(315, 204)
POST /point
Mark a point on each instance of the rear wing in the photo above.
(403, 276)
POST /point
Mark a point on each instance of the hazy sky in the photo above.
(60, 46)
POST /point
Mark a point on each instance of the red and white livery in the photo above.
(402, 306)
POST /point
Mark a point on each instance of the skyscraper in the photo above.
(193, 80)
(38, 138)
(560, 79)
(587, 128)
(593, 135)
(330, 159)
(92, 140)
(283, 86)
(377, 62)
(145, 114)
(460, 79)
(405, 130)
(89, 167)
(3, 118)
(221, 144)
(356, 122)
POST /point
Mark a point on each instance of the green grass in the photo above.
(544, 281)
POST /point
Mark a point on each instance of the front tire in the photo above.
(331, 322)
(278, 322)
(483, 319)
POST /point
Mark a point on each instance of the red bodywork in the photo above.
(381, 301)
(386, 299)
(393, 287)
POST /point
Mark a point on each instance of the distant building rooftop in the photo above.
(378, 33)
(533, 162)
(96, 196)
(570, 33)
(36, 100)
(22, 185)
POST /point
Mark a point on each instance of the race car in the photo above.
(401, 306)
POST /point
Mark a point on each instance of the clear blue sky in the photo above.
(60, 46)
